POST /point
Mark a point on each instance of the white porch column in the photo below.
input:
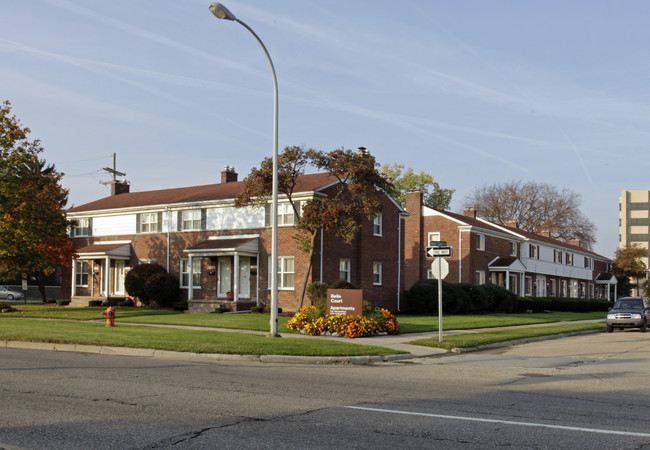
(235, 273)
(508, 279)
(107, 277)
(190, 286)
(73, 289)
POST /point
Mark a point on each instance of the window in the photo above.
(513, 249)
(344, 270)
(587, 262)
(196, 273)
(480, 242)
(533, 251)
(82, 227)
(378, 225)
(552, 287)
(480, 277)
(433, 236)
(569, 259)
(376, 273)
(81, 273)
(285, 272)
(191, 219)
(285, 214)
(557, 256)
(149, 222)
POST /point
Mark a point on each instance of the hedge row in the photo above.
(466, 298)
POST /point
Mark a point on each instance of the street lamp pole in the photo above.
(222, 12)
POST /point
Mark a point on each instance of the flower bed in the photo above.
(310, 321)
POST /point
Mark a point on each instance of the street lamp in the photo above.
(222, 12)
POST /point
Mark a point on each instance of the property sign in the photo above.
(348, 302)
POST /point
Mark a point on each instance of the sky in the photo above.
(472, 92)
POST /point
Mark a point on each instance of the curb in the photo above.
(522, 341)
(205, 357)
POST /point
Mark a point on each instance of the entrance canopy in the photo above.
(113, 250)
(509, 264)
(227, 245)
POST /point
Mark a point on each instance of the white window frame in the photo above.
(480, 277)
(569, 259)
(82, 228)
(378, 225)
(152, 226)
(286, 273)
(377, 269)
(558, 257)
(432, 236)
(196, 273)
(344, 269)
(533, 251)
(191, 220)
(286, 215)
(480, 242)
(513, 248)
(82, 269)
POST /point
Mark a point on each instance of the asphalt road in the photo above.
(582, 392)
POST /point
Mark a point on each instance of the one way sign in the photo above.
(434, 252)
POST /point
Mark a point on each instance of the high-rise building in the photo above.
(634, 223)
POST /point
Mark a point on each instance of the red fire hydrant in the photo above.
(110, 316)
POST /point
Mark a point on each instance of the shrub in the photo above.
(317, 291)
(63, 302)
(422, 298)
(500, 299)
(341, 284)
(257, 309)
(162, 288)
(180, 306)
(477, 297)
(94, 303)
(136, 278)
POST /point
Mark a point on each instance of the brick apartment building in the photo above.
(221, 253)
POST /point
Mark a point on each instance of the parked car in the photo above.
(8, 294)
(629, 312)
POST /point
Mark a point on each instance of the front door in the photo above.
(225, 275)
(118, 288)
(244, 277)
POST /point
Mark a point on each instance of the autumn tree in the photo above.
(356, 197)
(33, 226)
(536, 207)
(407, 180)
(627, 265)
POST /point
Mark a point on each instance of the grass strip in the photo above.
(179, 340)
(470, 340)
(419, 324)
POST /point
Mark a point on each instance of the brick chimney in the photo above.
(512, 224)
(470, 212)
(576, 242)
(545, 233)
(228, 174)
(120, 187)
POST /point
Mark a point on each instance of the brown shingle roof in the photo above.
(221, 191)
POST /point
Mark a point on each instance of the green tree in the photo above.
(628, 265)
(407, 180)
(33, 225)
(356, 197)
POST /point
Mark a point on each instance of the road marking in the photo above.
(506, 422)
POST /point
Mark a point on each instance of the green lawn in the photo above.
(79, 328)
(201, 341)
(469, 340)
(419, 324)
